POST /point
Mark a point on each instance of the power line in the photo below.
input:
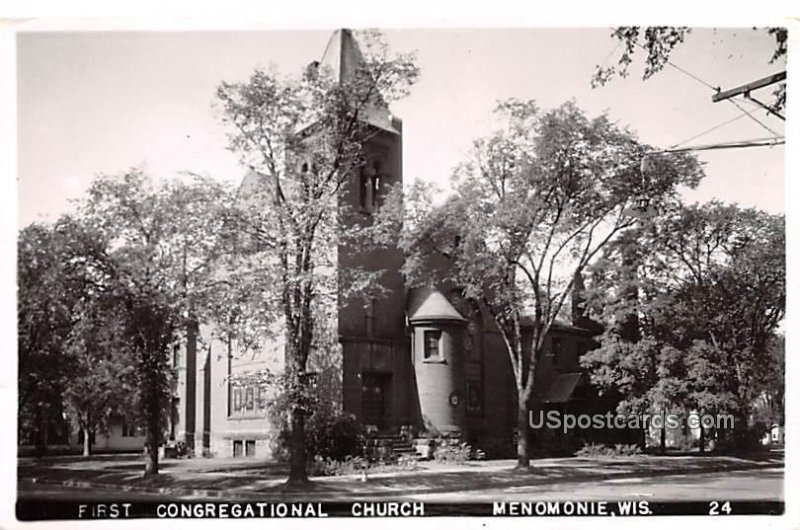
(716, 90)
(749, 97)
(756, 142)
(752, 117)
(685, 72)
(714, 128)
(678, 68)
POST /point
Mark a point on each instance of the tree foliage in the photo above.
(302, 138)
(106, 294)
(44, 320)
(162, 241)
(705, 286)
(533, 206)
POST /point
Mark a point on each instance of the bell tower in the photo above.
(376, 365)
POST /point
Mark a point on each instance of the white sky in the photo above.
(99, 102)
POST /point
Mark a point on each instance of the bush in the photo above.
(327, 467)
(600, 450)
(498, 447)
(546, 445)
(743, 442)
(330, 435)
(334, 435)
(454, 451)
(182, 450)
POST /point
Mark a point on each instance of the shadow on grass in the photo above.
(268, 479)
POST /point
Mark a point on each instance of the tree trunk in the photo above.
(151, 465)
(297, 447)
(153, 439)
(702, 439)
(740, 431)
(523, 460)
(663, 444)
(40, 440)
(87, 446)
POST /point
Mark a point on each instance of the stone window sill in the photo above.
(434, 360)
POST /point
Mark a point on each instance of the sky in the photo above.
(103, 102)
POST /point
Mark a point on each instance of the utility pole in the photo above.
(745, 90)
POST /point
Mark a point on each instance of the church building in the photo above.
(415, 360)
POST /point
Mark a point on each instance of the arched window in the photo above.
(369, 317)
(370, 186)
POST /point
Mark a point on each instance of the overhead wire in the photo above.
(678, 68)
(712, 129)
(756, 142)
(749, 115)
(715, 89)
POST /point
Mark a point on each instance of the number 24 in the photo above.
(715, 508)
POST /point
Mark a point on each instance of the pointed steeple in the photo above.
(342, 55)
(342, 58)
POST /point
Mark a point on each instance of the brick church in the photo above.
(416, 359)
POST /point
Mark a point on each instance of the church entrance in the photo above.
(374, 399)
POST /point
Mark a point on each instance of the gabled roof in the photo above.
(256, 189)
(253, 182)
(428, 304)
(343, 57)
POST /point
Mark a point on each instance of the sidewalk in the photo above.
(251, 480)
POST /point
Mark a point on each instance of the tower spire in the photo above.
(342, 58)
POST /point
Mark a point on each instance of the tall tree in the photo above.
(71, 356)
(533, 206)
(711, 288)
(734, 312)
(303, 138)
(44, 320)
(162, 243)
(771, 385)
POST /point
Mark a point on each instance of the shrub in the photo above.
(745, 441)
(330, 435)
(182, 450)
(454, 451)
(333, 435)
(627, 450)
(356, 465)
(328, 467)
(498, 447)
(547, 445)
(600, 450)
